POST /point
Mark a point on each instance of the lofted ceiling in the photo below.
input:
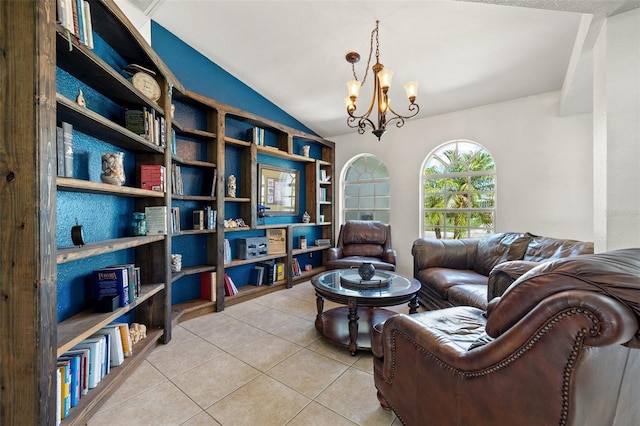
(463, 53)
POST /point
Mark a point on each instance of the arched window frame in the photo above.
(373, 198)
(458, 201)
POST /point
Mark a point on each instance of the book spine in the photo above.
(67, 136)
(60, 150)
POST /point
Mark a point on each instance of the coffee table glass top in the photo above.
(398, 286)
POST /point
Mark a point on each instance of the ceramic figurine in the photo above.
(231, 186)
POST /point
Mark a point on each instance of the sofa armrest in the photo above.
(455, 254)
(504, 274)
(389, 256)
(334, 253)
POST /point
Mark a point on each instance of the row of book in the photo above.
(256, 136)
(122, 281)
(177, 186)
(266, 273)
(229, 286)
(296, 271)
(322, 194)
(85, 365)
(144, 122)
(64, 149)
(75, 17)
(205, 219)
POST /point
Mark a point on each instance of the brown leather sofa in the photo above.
(470, 272)
(363, 241)
(560, 347)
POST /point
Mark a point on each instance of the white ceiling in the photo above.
(463, 53)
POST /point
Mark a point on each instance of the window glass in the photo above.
(366, 190)
(458, 191)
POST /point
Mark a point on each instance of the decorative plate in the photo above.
(147, 85)
(352, 279)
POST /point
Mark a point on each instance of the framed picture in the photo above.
(278, 190)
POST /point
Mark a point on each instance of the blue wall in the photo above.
(199, 74)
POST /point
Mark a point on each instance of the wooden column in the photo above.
(27, 207)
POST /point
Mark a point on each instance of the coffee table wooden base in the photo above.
(334, 324)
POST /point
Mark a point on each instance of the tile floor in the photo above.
(260, 362)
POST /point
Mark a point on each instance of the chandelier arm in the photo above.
(411, 107)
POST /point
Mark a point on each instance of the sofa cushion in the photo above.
(546, 248)
(366, 232)
(498, 248)
(370, 250)
(441, 280)
(468, 295)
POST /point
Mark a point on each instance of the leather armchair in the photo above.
(559, 347)
(363, 241)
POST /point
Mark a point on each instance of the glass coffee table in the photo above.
(351, 325)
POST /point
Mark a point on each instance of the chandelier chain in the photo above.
(366, 70)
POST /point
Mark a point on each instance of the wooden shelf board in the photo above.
(93, 124)
(84, 64)
(306, 275)
(237, 200)
(192, 163)
(236, 142)
(78, 185)
(247, 292)
(107, 246)
(89, 403)
(193, 308)
(183, 197)
(309, 249)
(237, 229)
(239, 262)
(192, 133)
(193, 232)
(275, 152)
(77, 328)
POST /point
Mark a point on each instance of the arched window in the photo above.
(366, 192)
(459, 191)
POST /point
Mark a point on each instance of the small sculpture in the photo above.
(137, 332)
(80, 99)
(113, 168)
(306, 218)
(231, 186)
(305, 150)
(366, 271)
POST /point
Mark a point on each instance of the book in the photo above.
(60, 150)
(276, 241)
(84, 368)
(95, 364)
(88, 25)
(125, 337)
(104, 353)
(116, 353)
(256, 275)
(58, 396)
(198, 220)
(227, 251)
(279, 271)
(131, 269)
(136, 120)
(208, 286)
(152, 177)
(67, 141)
(156, 220)
(112, 282)
(65, 395)
(269, 275)
(75, 362)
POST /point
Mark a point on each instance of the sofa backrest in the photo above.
(545, 248)
(498, 248)
(364, 238)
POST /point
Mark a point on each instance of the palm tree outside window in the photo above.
(459, 191)
(366, 190)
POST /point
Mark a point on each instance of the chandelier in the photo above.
(381, 84)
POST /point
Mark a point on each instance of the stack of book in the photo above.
(85, 365)
(323, 241)
(75, 17)
(256, 135)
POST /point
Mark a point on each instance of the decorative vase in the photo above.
(113, 168)
(366, 271)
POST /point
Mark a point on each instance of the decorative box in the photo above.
(250, 248)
